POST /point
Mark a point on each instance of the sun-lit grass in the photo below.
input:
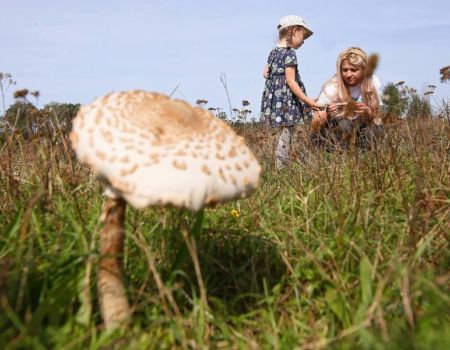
(343, 250)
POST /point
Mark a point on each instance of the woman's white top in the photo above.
(329, 92)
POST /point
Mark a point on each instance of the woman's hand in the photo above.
(361, 109)
(333, 109)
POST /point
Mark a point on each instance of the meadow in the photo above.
(340, 250)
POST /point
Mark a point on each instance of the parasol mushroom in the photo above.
(150, 150)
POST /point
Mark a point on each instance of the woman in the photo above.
(351, 99)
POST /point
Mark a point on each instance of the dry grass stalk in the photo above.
(445, 74)
(372, 64)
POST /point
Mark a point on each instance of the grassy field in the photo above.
(342, 250)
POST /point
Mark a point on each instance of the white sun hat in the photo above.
(294, 20)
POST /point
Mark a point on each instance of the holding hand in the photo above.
(357, 108)
(361, 109)
(311, 104)
(333, 109)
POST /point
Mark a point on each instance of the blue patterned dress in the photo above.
(279, 106)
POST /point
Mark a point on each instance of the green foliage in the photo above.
(341, 250)
(418, 107)
(20, 117)
(394, 100)
(62, 113)
(401, 100)
(25, 120)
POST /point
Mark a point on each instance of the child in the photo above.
(284, 92)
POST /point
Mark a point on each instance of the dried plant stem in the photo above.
(192, 248)
(406, 300)
(164, 293)
(194, 256)
(223, 80)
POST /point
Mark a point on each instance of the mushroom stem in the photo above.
(114, 305)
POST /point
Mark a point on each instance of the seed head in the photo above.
(372, 64)
(445, 74)
(21, 93)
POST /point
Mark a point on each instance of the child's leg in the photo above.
(282, 152)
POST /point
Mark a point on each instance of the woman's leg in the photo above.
(346, 133)
(370, 135)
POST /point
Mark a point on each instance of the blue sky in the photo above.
(74, 51)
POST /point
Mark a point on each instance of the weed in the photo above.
(347, 249)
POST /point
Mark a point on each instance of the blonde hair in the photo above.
(288, 32)
(358, 58)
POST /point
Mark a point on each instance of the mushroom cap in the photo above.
(151, 150)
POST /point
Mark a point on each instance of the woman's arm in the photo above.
(295, 88)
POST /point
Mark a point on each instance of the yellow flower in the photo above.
(235, 213)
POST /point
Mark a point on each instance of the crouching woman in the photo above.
(351, 102)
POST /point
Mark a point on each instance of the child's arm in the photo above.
(296, 90)
(266, 71)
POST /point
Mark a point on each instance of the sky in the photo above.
(73, 51)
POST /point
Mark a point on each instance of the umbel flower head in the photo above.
(445, 74)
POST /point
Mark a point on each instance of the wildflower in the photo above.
(235, 213)
(201, 103)
(21, 93)
(445, 74)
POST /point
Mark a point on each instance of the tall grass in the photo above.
(341, 250)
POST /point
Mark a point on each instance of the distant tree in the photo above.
(61, 115)
(24, 118)
(394, 100)
(20, 117)
(402, 101)
(418, 107)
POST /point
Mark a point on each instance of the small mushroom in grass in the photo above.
(150, 150)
